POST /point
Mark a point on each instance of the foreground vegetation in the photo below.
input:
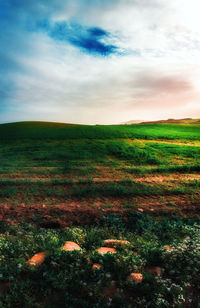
(57, 280)
(85, 184)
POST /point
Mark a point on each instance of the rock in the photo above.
(37, 259)
(113, 242)
(71, 246)
(155, 270)
(96, 265)
(104, 250)
(168, 248)
(136, 277)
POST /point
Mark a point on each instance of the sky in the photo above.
(99, 61)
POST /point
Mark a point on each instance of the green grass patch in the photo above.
(86, 188)
(164, 169)
(56, 281)
(59, 131)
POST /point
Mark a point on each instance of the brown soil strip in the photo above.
(88, 211)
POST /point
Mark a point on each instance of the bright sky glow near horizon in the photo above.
(99, 61)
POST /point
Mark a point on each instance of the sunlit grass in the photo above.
(90, 183)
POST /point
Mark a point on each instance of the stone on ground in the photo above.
(104, 250)
(168, 248)
(137, 277)
(37, 259)
(113, 242)
(71, 246)
(96, 265)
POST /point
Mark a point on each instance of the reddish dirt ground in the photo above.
(88, 211)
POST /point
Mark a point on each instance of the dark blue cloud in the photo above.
(98, 32)
(90, 40)
(94, 46)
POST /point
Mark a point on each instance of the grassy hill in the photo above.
(47, 130)
(65, 182)
(172, 121)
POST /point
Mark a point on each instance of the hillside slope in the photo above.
(49, 130)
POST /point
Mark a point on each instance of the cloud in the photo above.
(162, 84)
(61, 60)
(85, 38)
(158, 90)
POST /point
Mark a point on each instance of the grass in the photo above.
(64, 182)
(165, 169)
(67, 188)
(63, 272)
(59, 131)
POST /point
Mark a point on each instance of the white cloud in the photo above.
(156, 78)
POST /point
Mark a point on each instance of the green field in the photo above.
(65, 182)
(59, 131)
